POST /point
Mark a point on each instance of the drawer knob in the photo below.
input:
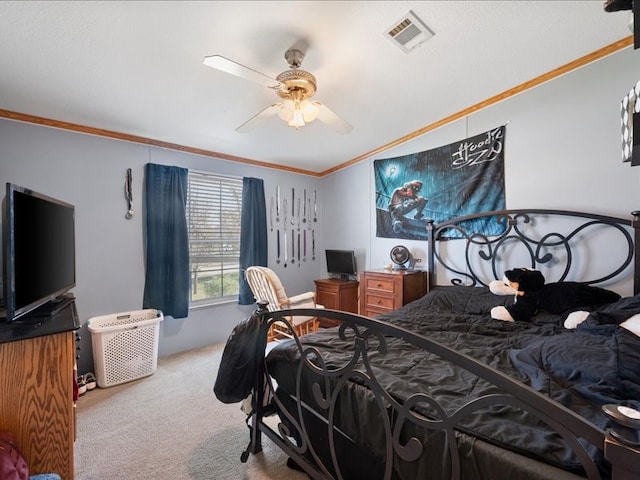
(379, 302)
(379, 285)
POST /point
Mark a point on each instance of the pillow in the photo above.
(632, 324)
(462, 299)
(616, 313)
(629, 358)
(575, 318)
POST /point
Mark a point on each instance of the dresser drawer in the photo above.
(384, 291)
(373, 311)
(381, 284)
(378, 301)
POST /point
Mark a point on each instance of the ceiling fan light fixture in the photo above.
(298, 120)
(309, 110)
(287, 110)
(297, 113)
(295, 87)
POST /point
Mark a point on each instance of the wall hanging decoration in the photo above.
(630, 122)
(128, 194)
(458, 179)
(291, 221)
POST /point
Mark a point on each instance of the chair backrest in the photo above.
(266, 285)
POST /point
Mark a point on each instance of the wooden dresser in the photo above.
(336, 294)
(382, 291)
(36, 385)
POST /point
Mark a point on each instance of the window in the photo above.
(213, 218)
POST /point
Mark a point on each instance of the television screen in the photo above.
(39, 250)
(341, 262)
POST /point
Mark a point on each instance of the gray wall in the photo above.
(562, 151)
(89, 172)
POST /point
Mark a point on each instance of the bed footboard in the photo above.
(315, 428)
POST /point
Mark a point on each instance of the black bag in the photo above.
(244, 349)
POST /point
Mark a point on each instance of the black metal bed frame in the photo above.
(540, 249)
(370, 335)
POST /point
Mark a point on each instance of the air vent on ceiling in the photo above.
(408, 32)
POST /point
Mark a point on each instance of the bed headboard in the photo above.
(564, 245)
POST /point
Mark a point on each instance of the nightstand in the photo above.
(385, 290)
(336, 294)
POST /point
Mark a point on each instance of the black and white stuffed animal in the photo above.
(526, 286)
(533, 294)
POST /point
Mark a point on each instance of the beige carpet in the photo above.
(171, 426)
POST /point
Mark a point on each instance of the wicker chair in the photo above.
(266, 286)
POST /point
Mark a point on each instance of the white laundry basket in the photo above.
(125, 345)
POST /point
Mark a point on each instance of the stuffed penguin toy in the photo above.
(525, 285)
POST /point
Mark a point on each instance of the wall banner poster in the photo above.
(454, 180)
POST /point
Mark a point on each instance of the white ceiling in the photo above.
(136, 67)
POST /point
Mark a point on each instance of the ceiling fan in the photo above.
(295, 87)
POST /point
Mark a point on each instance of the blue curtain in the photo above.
(253, 233)
(166, 285)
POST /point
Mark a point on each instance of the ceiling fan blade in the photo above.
(329, 118)
(229, 66)
(254, 121)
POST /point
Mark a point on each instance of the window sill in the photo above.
(203, 306)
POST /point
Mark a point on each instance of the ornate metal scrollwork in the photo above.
(545, 249)
(320, 381)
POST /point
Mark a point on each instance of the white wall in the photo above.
(563, 150)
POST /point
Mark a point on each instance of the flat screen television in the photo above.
(341, 262)
(39, 250)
